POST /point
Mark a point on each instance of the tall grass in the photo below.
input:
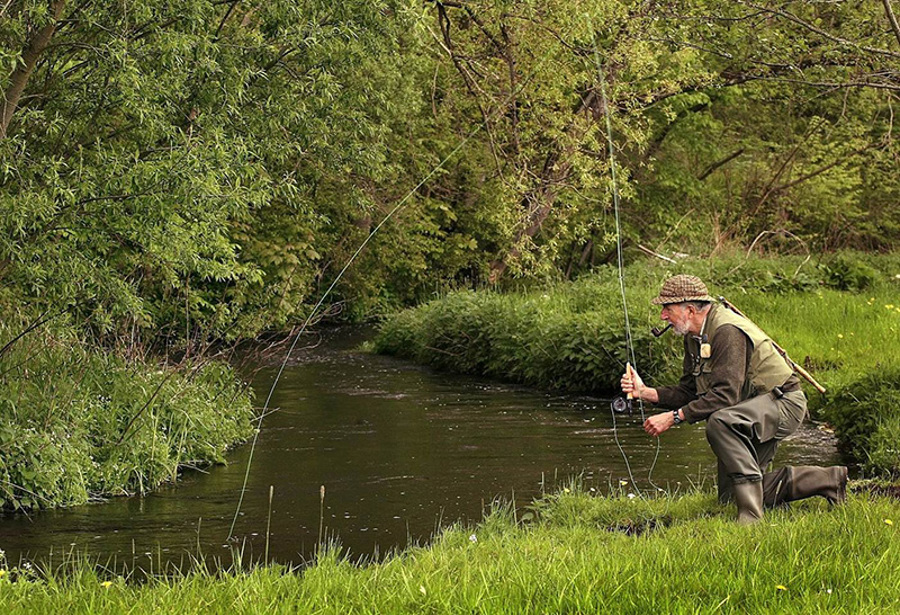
(579, 556)
(78, 424)
(840, 319)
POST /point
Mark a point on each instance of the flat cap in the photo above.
(680, 288)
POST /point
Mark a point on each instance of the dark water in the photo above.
(400, 449)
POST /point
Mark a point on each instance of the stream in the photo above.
(401, 450)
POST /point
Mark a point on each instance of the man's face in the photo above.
(677, 314)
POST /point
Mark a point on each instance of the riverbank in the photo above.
(80, 424)
(839, 319)
(570, 552)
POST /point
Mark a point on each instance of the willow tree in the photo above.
(181, 166)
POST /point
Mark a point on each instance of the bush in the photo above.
(865, 417)
(77, 424)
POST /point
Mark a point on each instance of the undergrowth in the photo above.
(78, 424)
(581, 554)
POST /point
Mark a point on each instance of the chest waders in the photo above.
(744, 437)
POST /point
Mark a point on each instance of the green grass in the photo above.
(78, 424)
(840, 319)
(582, 554)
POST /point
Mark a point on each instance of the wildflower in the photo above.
(888, 522)
(2, 573)
(840, 336)
(566, 490)
(781, 588)
(897, 277)
(473, 538)
(422, 589)
(623, 482)
(106, 583)
(827, 591)
(631, 496)
(889, 306)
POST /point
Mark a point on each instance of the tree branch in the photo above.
(812, 28)
(890, 15)
(30, 56)
(712, 168)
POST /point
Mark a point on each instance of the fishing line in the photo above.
(629, 342)
(358, 251)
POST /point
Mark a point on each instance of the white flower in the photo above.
(631, 496)
(473, 538)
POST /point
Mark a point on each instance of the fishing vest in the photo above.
(767, 368)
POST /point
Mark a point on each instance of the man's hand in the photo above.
(658, 423)
(632, 382)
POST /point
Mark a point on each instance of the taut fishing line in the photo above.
(629, 342)
(358, 251)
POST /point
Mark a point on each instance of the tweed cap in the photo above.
(680, 288)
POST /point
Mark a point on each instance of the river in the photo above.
(401, 451)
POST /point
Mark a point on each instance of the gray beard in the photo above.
(680, 329)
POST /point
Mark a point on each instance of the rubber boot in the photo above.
(749, 500)
(830, 483)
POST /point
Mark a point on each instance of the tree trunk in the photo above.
(540, 201)
(19, 78)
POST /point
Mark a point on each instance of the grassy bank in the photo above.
(78, 424)
(840, 318)
(581, 554)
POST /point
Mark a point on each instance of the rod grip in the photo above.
(630, 373)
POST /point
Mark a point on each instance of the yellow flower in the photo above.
(106, 583)
(889, 306)
(566, 490)
(781, 588)
(623, 482)
(2, 573)
(840, 336)
(888, 522)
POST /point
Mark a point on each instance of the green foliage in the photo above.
(865, 418)
(845, 273)
(77, 425)
(579, 557)
(572, 336)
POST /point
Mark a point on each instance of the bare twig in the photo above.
(892, 18)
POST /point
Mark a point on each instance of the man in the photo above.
(737, 381)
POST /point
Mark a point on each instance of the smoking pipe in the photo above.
(657, 332)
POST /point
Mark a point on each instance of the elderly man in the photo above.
(737, 381)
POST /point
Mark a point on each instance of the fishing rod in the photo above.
(620, 405)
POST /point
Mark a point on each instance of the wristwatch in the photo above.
(678, 419)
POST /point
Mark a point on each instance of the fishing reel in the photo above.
(621, 405)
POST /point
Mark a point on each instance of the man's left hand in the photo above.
(658, 423)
